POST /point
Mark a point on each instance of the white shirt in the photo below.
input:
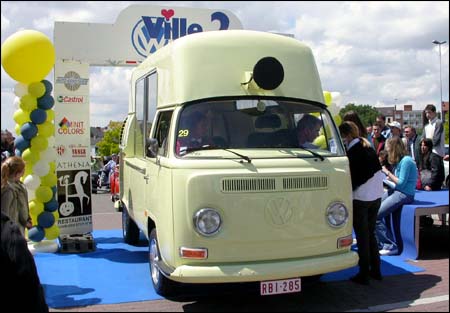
(372, 189)
(429, 133)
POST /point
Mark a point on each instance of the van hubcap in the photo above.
(154, 258)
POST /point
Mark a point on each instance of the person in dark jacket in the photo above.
(431, 167)
(22, 289)
(367, 185)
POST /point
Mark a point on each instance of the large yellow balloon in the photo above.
(327, 97)
(28, 56)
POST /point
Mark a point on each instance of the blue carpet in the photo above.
(116, 272)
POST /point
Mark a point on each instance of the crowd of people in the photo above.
(388, 164)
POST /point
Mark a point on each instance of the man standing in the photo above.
(434, 130)
(385, 130)
(412, 143)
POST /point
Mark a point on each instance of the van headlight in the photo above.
(207, 221)
(337, 214)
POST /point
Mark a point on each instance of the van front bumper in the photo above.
(261, 271)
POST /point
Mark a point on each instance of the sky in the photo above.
(373, 53)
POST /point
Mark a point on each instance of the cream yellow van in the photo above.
(232, 166)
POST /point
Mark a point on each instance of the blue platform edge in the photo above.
(403, 222)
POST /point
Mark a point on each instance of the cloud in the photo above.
(370, 52)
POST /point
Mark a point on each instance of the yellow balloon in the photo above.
(28, 170)
(36, 89)
(320, 142)
(34, 217)
(29, 157)
(46, 129)
(337, 119)
(56, 215)
(50, 115)
(49, 180)
(17, 129)
(28, 56)
(52, 166)
(52, 232)
(21, 116)
(36, 207)
(327, 97)
(28, 103)
(39, 143)
(44, 193)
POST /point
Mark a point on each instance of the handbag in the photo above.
(425, 178)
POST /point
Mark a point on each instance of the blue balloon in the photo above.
(54, 190)
(51, 206)
(17, 152)
(46, 219)
(36, 233)
(21, 143)
(28, 130)
(45, 102)
(48, 86)
(38, 116)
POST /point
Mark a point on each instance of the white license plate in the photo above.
(275, 287)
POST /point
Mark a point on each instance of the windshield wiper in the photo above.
(209, 147)
(314, 153)
(240, 155)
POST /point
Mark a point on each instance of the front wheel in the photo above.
(163, 286)
(130, 231)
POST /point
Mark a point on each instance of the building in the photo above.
(391, 114)
(413, 117)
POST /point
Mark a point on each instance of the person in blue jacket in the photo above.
(401, 191)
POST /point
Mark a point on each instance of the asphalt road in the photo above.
(427, 291)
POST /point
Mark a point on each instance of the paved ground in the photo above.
(426, 291)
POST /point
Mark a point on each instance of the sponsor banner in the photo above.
(74, 198)
(72, 142)
(141, 30)
(66, 99)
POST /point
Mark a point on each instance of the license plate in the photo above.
(275, 287)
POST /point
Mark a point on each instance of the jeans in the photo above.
(390, 202)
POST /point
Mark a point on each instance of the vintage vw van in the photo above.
(216, 169)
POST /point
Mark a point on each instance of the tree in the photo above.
(110, 142)
(366, 113)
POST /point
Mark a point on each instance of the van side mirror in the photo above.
(152, 147)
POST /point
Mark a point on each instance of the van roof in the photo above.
(214, 64)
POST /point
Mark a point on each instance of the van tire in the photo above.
(162, 285)
(130, 231)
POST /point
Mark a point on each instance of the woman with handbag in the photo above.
(431, 167)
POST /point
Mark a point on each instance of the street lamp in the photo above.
(440, 73)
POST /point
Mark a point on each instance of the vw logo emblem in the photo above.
(143, 43)
(279, 211)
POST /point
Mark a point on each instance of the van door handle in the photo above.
(146, 177)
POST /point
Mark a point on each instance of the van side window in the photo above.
(139, 130)
(152, 97)
(162, 131)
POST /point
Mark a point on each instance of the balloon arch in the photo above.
(28, 56)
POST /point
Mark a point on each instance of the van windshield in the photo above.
(257, 124)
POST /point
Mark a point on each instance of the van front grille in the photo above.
(248, 184)
(307, 182)
(274, 184)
